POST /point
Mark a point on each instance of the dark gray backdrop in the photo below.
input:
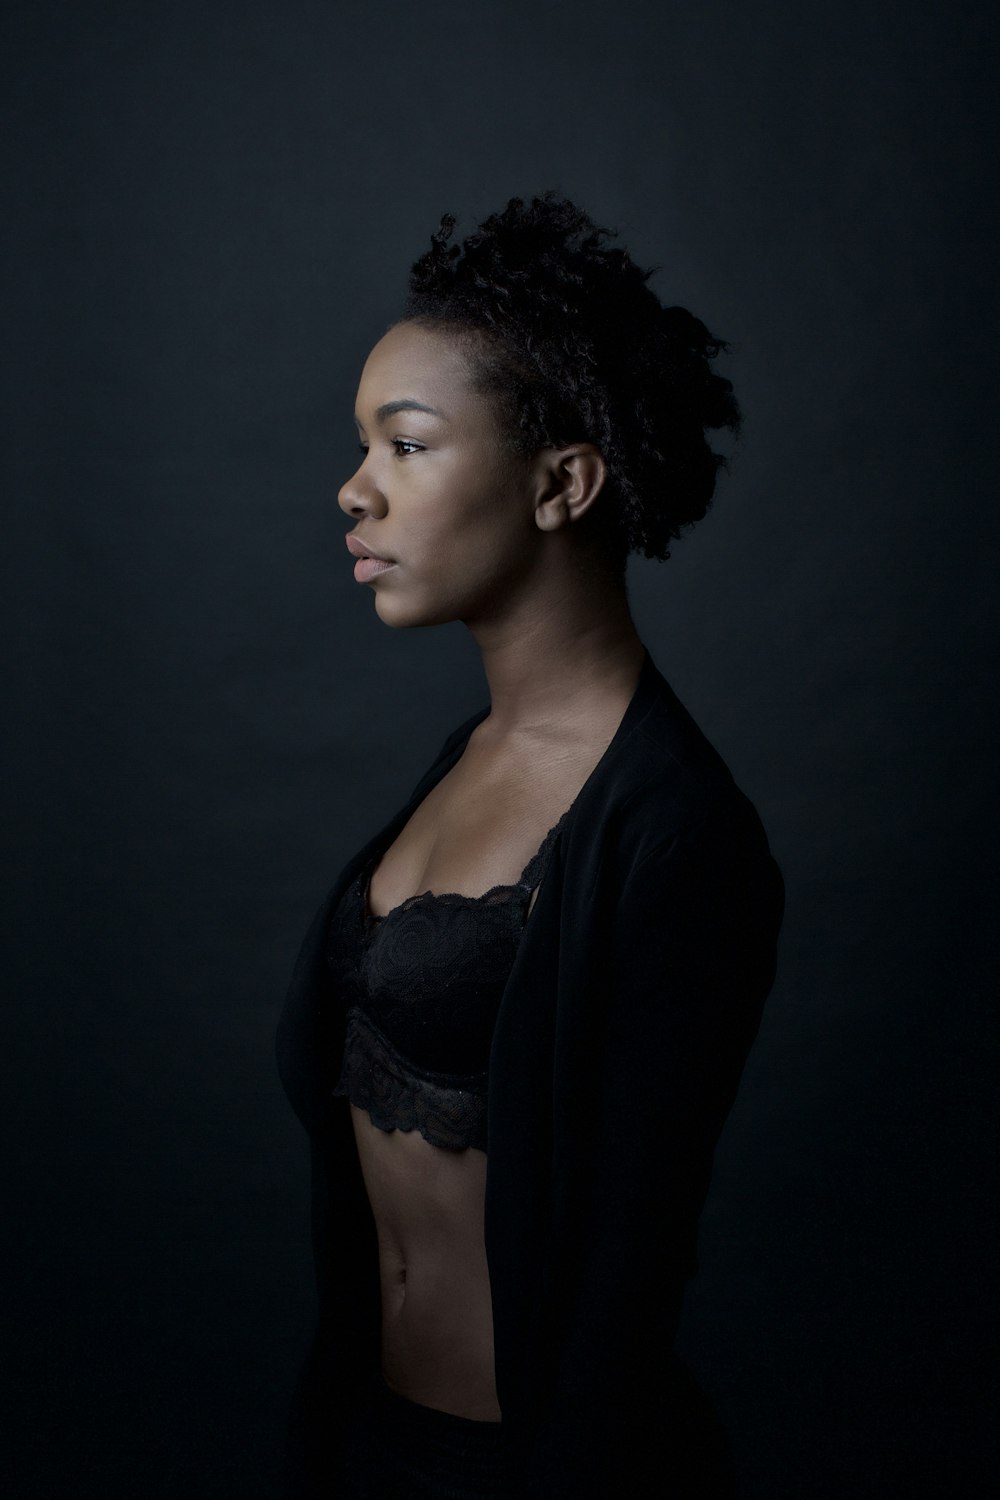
(214, 207)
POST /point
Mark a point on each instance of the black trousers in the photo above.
(400, 1450)
(389, 1448)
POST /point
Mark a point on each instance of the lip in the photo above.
(357, 548)
(370, 567)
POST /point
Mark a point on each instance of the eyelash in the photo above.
(397, 444)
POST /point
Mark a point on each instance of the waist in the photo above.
(404, 1414)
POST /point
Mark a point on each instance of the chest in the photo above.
(474, 834)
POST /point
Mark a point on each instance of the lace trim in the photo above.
(449, 1110)
(493, 897)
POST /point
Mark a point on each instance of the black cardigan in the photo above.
(621, 1037)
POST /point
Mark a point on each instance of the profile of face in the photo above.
(439, 494)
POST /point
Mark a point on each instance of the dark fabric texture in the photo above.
(399, 1450)
(423, 985)
(620, 1039)
(448, 1110)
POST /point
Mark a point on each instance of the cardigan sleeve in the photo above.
(672, 1011)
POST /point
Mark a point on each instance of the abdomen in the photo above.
(437, 1318)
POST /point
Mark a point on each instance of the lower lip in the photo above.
(369, 567)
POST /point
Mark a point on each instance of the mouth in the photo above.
(358, 548)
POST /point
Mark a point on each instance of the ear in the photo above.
(568, 481)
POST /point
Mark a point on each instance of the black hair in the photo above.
(574, 346)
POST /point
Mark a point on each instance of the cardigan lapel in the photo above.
(308, 1029)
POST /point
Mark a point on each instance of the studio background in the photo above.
(211, 214)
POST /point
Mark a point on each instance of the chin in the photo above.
(403, 614)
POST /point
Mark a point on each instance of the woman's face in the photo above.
(437, 493)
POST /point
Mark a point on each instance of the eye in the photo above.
(403, 446)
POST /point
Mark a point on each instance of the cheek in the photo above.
(485, 538)
(460, 506)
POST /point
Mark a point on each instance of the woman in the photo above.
(519, 1018)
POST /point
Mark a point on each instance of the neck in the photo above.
(548, 667)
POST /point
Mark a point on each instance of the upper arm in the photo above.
(688, 958)
(692, 950)
(682, 969)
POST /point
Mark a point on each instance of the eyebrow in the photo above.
(406, 404)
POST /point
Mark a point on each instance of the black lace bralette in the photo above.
(422, 987)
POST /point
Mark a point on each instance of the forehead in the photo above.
(428, 365)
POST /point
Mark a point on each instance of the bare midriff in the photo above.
(437, 1314)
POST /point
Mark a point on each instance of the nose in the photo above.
(359, 495)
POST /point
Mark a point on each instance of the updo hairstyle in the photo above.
(567, 338)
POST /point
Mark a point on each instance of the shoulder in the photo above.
(685, 842)
(668, 784)
(688, 876)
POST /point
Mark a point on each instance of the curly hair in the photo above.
(573, 345)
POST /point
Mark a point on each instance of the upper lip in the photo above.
(358, 548)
